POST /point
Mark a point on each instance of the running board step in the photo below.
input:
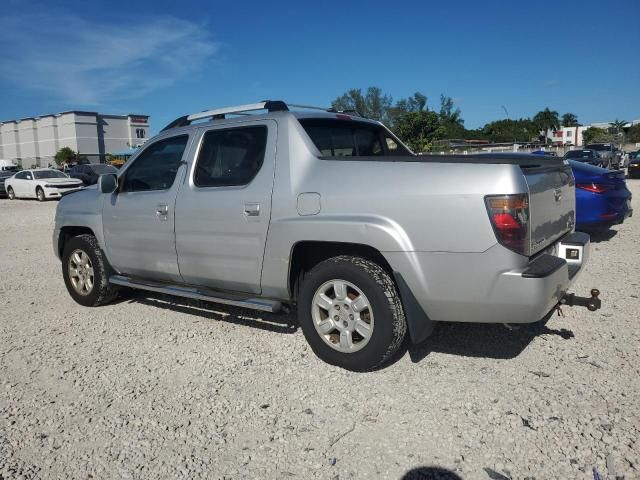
(198, 293)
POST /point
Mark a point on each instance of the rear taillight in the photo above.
(509, 216)
(593, 187)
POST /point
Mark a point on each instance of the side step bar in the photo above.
(198, 293)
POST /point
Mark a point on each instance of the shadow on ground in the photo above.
(483, 340)
(598, 236)
(463, 339)
(272, 322)
(430, 473)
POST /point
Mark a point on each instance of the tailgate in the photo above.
(552, 203)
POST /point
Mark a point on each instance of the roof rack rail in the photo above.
(220, 113)
(269, 105)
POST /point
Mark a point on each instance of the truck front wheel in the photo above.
(86, 272)
(351, 314)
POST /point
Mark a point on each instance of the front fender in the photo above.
(81, 209)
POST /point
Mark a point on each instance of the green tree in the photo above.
(450, 119)
(410, 118)
(522, 130)
(617, 126)
(569, 120)
(595, 135)
(633, 134)
(373, 104)
(447, 111)
(418, 129)
(546, 120)
(65, 156)
(415, 103)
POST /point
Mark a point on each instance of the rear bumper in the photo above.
(614, 218)
(486, 288)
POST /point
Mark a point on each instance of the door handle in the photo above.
(162, 211)
(252, 209)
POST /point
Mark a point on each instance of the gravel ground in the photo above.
(154, 387)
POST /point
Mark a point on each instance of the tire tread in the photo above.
(380, 276)
(106, 292)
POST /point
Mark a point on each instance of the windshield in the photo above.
(599, 147)
(41, 174)
(101, 169)
(351, 138)
(580, 154)
(10, 169)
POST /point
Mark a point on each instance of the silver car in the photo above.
(270, 204)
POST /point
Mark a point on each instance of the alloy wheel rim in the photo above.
(342, 316)
(81, 272)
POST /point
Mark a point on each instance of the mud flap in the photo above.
(419, 324)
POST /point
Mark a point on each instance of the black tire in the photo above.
(389, 326)
(11, 194)
(102, 291)
(40, 194)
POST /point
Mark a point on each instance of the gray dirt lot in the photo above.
(154, 387)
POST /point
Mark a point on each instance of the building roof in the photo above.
(80, 112)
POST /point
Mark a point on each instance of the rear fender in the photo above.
(376, 232)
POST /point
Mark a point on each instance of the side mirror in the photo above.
(108, 183)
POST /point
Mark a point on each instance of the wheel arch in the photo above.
(306, 254)
(68, 232)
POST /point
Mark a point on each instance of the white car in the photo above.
(41, 183)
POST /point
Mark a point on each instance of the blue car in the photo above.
(602, 197)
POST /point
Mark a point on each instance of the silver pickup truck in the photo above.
(270, 205)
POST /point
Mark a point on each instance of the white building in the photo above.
(568, 135)
(34, 141)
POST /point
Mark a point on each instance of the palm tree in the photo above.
(569, 120)
(546, 120)
(618, 125)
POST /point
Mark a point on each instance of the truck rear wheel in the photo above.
(86, 272)
(351, 314)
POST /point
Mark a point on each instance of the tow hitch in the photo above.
(592, 303)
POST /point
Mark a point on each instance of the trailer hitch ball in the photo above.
(594, 304)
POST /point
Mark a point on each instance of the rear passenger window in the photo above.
(230, 157)
(350, 138)
(156, 167)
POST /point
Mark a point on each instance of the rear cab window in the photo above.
(339, 138)
(230, 157)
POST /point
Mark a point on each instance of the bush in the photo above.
(64, 156)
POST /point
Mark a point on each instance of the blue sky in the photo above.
(168, 58)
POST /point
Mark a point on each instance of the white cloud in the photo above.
(90, 63)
